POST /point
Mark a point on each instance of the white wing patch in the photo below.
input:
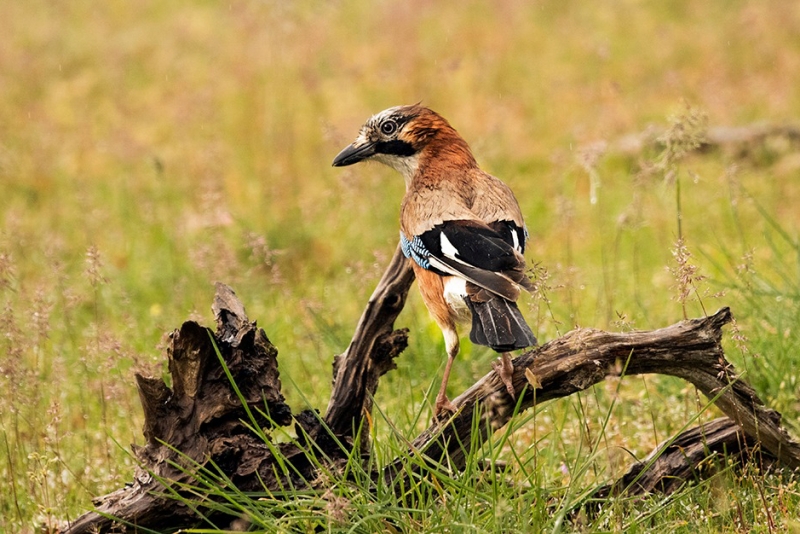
(447, 247)
(516, 240)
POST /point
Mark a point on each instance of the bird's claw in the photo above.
(443, 407)
(505, 370)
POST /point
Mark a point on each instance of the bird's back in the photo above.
(449, 194)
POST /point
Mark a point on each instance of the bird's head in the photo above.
(404, 138)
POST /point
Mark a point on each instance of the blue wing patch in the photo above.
(416, 250)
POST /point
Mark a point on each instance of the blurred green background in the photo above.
(149, 149)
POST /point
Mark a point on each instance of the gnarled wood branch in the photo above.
(203, 417)
(690, 350)
(371, 351)
(681, 458)
(739, 139)
(199, 418)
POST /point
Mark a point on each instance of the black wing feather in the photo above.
(477, 244)
(511, 234)
(487, 255)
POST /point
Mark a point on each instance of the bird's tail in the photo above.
(498, 323)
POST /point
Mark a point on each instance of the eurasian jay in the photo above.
(461, 228)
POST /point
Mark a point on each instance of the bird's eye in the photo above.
(388, 127)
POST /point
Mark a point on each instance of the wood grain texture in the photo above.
(201, 417)
(690, 350)
(684, 457)
(372, 349)
(737, 139)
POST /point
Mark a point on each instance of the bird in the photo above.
(461, 229)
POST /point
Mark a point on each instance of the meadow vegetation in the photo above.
(148, 149)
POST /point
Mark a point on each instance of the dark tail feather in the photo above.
(498, 323)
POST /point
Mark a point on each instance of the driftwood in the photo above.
(371, 352)
(739, 139)
(200, 416)
(682, 458)
(689, 350)
(203, 421)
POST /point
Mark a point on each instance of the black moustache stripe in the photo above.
(395, 148)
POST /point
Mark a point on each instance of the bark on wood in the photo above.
(740, 139)
(689, 350)
(371, 352)
(685, 457)
(202, 417)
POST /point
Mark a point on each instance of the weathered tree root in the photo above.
(200, 417)
(739, 140)
(685, 457)
(203, 418)
(371, 352)
(690, 350)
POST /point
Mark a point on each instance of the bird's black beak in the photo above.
(354, 154)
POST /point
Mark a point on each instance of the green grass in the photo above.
(149, 149)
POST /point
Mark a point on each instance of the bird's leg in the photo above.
(505, 370)
(443, 404)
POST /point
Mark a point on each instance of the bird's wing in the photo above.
(488, 255)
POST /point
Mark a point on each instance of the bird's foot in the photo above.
(505, 370)
(443, 406)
